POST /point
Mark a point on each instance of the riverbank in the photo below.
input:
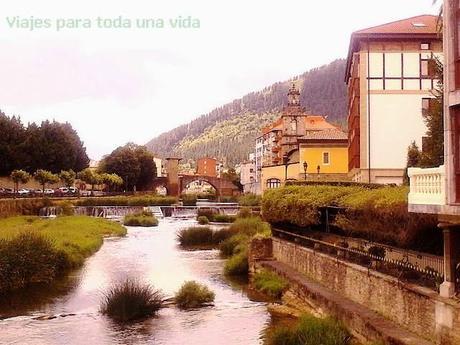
(153, 256)
(35, 250)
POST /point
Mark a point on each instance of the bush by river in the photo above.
(144, 218)
(35, 250)
(377, 214)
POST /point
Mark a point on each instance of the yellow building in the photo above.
(321, 155)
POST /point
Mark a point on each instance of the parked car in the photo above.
(73, 190)
(9, 190)
(62, 191)
(23, 192)
(49, 191)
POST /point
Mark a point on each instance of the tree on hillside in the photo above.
(67, 177)
(19, 176)
(44, 177)
(133, 163)
(90, 177)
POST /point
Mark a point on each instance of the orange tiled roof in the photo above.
(424, 24)
(327, 134)
(422, 27)
(312, 122)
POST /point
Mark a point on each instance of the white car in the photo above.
(49, 191)
(23, 192)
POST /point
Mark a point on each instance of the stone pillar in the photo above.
(451, 258)
(259, 249)
(172, 174)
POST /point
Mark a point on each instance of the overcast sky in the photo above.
(120, 85)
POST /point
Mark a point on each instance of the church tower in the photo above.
(293, 122)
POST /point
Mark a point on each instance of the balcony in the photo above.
(427, 188)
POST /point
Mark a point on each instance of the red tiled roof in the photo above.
(421, 27)
(327, 134)
(424, 24)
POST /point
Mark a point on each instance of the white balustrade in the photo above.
(427, 186)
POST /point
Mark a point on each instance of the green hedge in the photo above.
(144, 200)
(26, 207)
(377, 214)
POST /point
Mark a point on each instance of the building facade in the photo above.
(294, 146)
(206, 166)
(248, 175)
(390, 77)
(437, 190)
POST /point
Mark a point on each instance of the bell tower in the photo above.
(293, 96)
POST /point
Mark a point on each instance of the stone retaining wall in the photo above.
(417, 309)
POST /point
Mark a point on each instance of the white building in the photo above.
(248, 175)
(389, 78)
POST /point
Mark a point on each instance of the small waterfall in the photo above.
(184, 212)
(109, 212)
(50, 212)
(155, 210)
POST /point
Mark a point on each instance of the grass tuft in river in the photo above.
(193, 295)
(130, 300)
(145, 219)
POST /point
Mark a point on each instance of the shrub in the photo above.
(29, 258)
(195, 235)
(376, 214)
(202, 235)
(250, 226)
(203, 220)
(228, 247)
(249, 200)
(130, 300)
(221, 235)
(193, 295)
(270, 283)
(311, 331)
(67, 208)
(245, 212)
(145, 219)
(223, 218)
(189, 200)
(237, 265)
(27, 207)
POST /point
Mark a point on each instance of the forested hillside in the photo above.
(228, 132)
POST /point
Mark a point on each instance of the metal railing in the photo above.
(402, 264)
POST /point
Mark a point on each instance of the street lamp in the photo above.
(285, 162)
(318, 168)
(305, 167)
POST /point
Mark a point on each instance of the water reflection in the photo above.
(151, 255)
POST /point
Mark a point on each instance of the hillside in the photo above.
(229, 131)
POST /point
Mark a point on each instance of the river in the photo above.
(150, 255)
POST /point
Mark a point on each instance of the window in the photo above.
(326, 158)
(424, 46)
(425, 105)
(273, 183)
(427, 68)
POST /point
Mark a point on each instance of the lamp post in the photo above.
(305, 167)
(318, 168)
(285, 162)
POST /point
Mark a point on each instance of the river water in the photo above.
(150, 255)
